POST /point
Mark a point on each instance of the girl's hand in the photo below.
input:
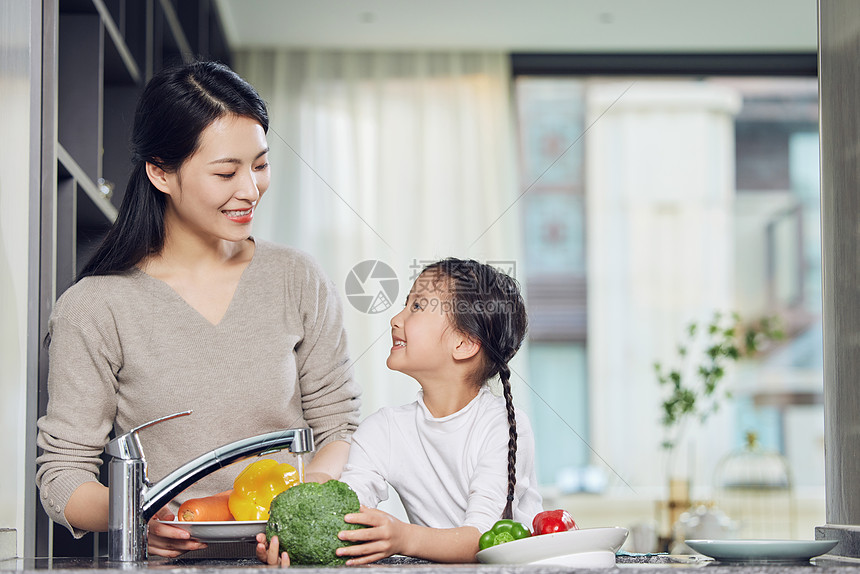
(267, 553)
(169, 541)
(384, 536)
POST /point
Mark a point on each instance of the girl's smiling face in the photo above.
(422, 334)
(215, 192)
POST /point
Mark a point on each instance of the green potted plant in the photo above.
(693, 384)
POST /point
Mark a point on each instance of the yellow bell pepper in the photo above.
(257, 485)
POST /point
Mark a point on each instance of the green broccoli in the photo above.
(306, 519)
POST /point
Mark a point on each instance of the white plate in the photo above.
(596, 559)
(227, 531)
(761, 550)
(585, 547)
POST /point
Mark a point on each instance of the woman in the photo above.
(180, 308)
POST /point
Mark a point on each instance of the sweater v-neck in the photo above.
(173, 294)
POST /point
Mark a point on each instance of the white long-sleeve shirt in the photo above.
(449, 471)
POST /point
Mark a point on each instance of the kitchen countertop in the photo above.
(401, 565)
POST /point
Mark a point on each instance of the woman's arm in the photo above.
(80, 412)
(330, 395)
(328, 462)
(386, 536)
(87, 509)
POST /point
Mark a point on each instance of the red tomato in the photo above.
(551, 521)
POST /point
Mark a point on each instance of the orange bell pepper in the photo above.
(257, 485)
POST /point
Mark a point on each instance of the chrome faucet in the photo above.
(134, 499)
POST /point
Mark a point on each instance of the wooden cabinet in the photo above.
(96, 58)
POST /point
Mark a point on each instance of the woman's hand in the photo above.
(385, 535)
(169, 541)
(267, 553)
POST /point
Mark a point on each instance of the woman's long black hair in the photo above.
(177, 104)
(487, 305)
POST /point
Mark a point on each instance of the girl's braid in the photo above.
(505, 376)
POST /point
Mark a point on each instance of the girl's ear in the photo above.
(158, 177)
(465, 347)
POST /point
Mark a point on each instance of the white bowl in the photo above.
(588, 547)
(226, 531)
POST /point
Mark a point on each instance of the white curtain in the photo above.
(403, 158)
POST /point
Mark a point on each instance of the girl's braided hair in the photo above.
(487, 305)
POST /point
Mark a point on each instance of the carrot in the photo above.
(206, 509)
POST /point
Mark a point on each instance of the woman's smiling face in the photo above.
(215, 192)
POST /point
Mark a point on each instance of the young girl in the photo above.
(459, 457)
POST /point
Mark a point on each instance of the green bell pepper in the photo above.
(503, 531)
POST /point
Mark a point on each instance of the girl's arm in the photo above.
(386, 536)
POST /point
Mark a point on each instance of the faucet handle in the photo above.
(128, 447)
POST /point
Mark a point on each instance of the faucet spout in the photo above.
(154, 497)
(134, 500)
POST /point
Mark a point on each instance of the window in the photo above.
(652, 202)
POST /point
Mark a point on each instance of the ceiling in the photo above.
(590, 26)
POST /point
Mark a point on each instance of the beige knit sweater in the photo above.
(127, 349)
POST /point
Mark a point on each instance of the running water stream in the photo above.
(300, 466)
